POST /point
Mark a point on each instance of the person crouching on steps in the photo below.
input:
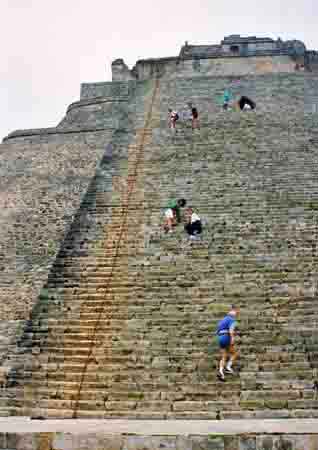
(246, 103)
(193, 226)
(226, 332)
(173, 214)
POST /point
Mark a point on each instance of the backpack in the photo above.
(176, 116)
(195, 113)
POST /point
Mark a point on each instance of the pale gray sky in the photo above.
(48, 47)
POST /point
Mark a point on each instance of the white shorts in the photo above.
(169, 214)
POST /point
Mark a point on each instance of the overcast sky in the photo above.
(48, 47)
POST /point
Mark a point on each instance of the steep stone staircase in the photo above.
(89, 273)
(125, 326)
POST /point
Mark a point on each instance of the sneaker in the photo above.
(221, 376)
(229, 370)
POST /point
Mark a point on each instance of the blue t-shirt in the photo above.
(227, 323)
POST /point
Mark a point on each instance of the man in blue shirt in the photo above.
(226, 332)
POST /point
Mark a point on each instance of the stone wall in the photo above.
(98, 114)
(43, 180)
(311, 60)
(45, 174)
(99, 441)
(234, 56)
(171, 68)
(109, 90)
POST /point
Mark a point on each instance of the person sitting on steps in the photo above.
(226, 332)
(173, 214)
(245, 102)
(193, 226)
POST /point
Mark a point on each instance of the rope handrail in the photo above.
(125, 205)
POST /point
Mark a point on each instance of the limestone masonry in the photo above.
(235, 55)
(102, 315)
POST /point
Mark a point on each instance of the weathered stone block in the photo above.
(247, 443)
(149, 443)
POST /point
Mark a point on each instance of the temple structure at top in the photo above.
(235, 55)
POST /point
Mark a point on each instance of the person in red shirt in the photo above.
(194, 116)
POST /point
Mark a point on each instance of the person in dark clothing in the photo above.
(243, 101)
(180, 204)
(194, 116)
(194, 225)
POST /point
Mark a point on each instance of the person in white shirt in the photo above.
(173, 214)
(186, 114)
(173, 117)
(245, 102)
(194, 225)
